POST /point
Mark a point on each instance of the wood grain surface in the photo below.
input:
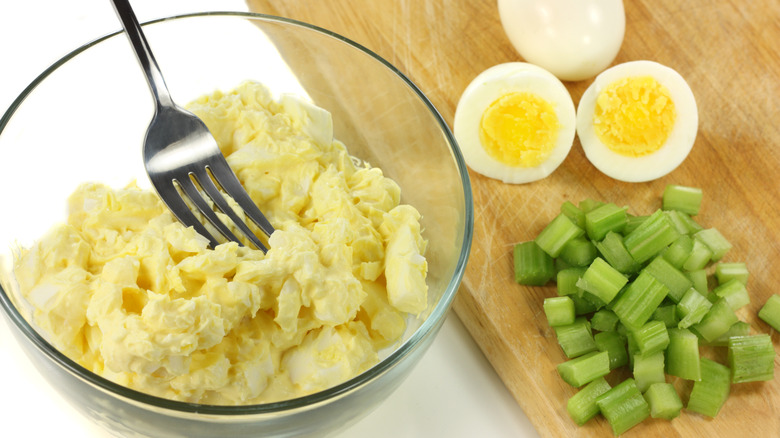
(728, 52)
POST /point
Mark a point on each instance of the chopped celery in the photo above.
(681, 198)
(631, 347)
(582, 405)
(604, 320)
(699, 280)
(727, 271)
(648, 369)
(752, 358)
(533, 266)
(664, 401)
(584, 369)
(710, 393)
(717, 320)
(692, 226)
(739, 328)
(699, 257)
(566, 280)
(603, 219)
(734, 292)
(576, 338)
(667, 314)
(641, 298)
(602, 280)
(587, 205)
(623, 406)
(556, 234)
(615, 345)
(770, 311)
(678, 251)
(652, 236)
(578, 252)
(682, 355)
(632, 222)
(574, 213)
(715, 241)
(559, 310)
(616, 254)
(692, 308)
(651, 338)
(663, 271)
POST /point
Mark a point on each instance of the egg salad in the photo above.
(131, 294)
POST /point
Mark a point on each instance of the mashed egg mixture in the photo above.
(128, 292)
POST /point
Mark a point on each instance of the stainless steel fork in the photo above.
(180, 151)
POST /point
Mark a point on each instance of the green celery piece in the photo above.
(751, 358)
(715, 241)
(603, 219)
(727, 271)
(582, 405)
(651, 338)
(632, 347)
(699, 280)
(559, 310)
(648, 369)
(739, 328)
(584, 369)
(604, 320)
(770, 311)
(616, 254)
(578, 252)
(710, 393)
(556, 234)
(602, 280)
(692, 308)
(574, 213)
(734, 292)
(623, 406)
(667, 314)
(639, 301)
(664, 401)
(717, 320)
(678, 251)
(651, 237)
(632, 222)
(614, 344)
(678, 220)
(682, 355)
(533, 267)
(663, 271)
(699, 257)
(576, 338)
(566, 280)
(587, 205)
(682, 198)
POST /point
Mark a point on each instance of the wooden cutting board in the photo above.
(728, 52)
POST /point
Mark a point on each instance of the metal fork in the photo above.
(180, 151)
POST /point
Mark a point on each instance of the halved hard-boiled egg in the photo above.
(637, 121)
(515, 122)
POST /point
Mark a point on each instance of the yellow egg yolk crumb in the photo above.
(634, 116)
(519, 129)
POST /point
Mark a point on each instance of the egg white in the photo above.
(489, 86)
(654, 165)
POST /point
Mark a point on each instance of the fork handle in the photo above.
(143, 52)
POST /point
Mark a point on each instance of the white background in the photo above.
(453, 392)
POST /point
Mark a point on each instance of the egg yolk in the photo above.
(519, 129)
(634, 116)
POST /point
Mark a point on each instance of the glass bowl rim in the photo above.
(425, 330)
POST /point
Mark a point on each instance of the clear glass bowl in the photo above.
(84, 118)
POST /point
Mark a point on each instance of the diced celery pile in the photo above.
(646, 292)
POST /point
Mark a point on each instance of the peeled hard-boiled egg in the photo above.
(637, 121)
(515, 122)
(572, 39)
